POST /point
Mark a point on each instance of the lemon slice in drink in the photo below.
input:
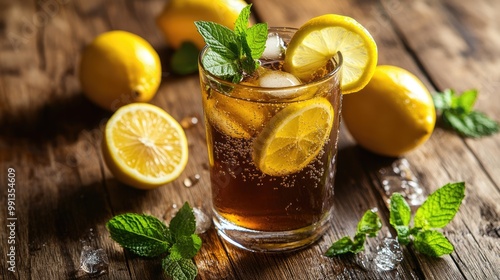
(144, 147)
(319, 39)
(293, 137)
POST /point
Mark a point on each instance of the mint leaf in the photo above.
(399, 217)
(180, 269)
(237, 51)
(457, 113)
(184, 223)
(141, 234)
(432, 243)
(475, 124)
(400, 212)
(220, 66)
(185, 59)
(359, 243)
(339, 247)
(443, 100)
(221, 39)
(369, 224)
(440, 207)
(241, 24)
(403, 233)
(186, 247)
(466, 100)
(256, 37)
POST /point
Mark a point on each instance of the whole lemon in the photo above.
(392, 115)
(178, 17)
(118, 68)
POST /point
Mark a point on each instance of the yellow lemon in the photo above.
(293, 137)
(178, 17)
(235, 117)
(321, 38)
(144, 147)
(118, 68)
(392, 115)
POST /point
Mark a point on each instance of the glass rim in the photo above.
(329, 75)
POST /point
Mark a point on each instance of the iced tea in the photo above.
(264, 208)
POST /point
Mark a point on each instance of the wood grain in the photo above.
(51, 135)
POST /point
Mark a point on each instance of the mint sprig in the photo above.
(233, 52)
(457, 112)
(436, 212)
(147, 236)
(369, 225)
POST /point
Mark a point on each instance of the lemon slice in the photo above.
(293, 137)
(234, 117)
(144, 146)
(319, 39)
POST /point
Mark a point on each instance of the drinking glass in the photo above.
(252, 209)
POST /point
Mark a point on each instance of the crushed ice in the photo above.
(93, 261)
(203, 221)
(389, 255)
(400, 178)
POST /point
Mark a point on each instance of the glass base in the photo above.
(270, 241)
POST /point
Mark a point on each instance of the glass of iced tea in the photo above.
(272, 148)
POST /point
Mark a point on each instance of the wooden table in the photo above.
(51, 136)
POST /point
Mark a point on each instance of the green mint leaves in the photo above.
(147, 236)
(185, 59)
(369, 225)
(233, 53)
(436, 212)
(440, 207)
(457, 112)
(399, 217)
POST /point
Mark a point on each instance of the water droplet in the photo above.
(189, 122)
(191, 180)
(170, 212)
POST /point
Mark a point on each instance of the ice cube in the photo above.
(275, 47)
(203, 221)
(400, 178)
(389, 255)
(93, 261)
(275, 79)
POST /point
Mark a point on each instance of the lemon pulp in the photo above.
(293, 137)
(144, 146)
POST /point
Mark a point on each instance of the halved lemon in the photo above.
(319, 39)
(144, 147)
(293, 137)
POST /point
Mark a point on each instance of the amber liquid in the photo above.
(250, 199)
(245, 196)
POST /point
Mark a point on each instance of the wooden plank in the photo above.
(453, 42)
(52, 135)
(394, 52)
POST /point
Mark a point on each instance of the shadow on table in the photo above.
(65, 116)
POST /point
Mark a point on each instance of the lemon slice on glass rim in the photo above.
(293, 137)
(320, 38)
(144, 147)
